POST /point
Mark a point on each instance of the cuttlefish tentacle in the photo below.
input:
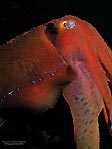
(78, 41)
(103, 52)
(104, 55)
(81, 95)
(99, 77)
(68, 46)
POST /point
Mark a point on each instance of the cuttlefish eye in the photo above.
(69, 24)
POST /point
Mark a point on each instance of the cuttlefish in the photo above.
(65, 55)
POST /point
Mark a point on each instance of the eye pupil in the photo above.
(69, 24)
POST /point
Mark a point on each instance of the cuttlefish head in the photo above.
(32, 71)
(78, 41)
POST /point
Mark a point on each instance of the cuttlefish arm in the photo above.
(67, 55)
(31, 71)
(81, 95)
(87, 53)
(104, 56)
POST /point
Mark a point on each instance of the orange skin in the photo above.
(32, 71)
(67, 55)
(84, 49)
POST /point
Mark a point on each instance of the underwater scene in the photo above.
(55, 75)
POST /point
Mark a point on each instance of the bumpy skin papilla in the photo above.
(65, 54)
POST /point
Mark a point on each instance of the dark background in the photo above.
(54, 128)
(17, 16)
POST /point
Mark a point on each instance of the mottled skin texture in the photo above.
(87, 53)
(57, 57)
(81, 95)
(31, 67)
